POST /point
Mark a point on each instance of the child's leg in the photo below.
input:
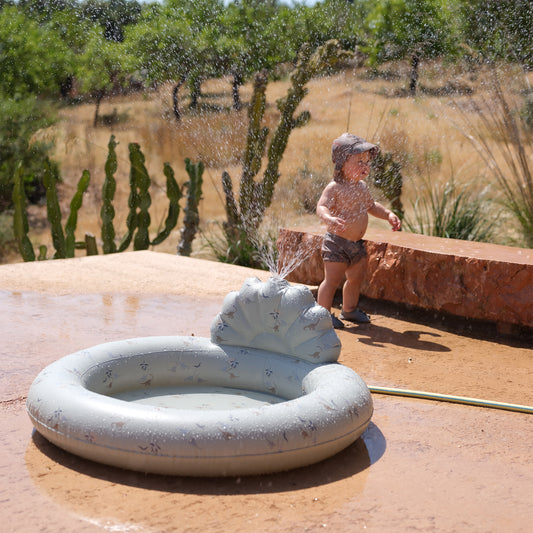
(352, 287)
(333, 276)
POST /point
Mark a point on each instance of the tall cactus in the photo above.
(20, 219)
(192, 218)
(64, 242)
(255, 145)
(109, 187)
(72, 221)
(53, 210)
(132, 220)
(256, 196)
(141, 240)
(139, 202)
(174, 195)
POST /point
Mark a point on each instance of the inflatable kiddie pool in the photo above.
(265, 394)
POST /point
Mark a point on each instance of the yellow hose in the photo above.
(453, 399)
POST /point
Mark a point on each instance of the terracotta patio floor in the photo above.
(422, 465)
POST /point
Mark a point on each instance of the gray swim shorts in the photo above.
(339, 250)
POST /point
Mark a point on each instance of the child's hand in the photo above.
(339, 223)
(394, 221)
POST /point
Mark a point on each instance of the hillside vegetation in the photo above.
(442, 85)
(427, 135)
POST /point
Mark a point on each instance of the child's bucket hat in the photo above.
(348, 144)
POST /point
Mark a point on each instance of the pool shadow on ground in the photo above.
(353, 460)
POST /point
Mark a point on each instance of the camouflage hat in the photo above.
(348, 144)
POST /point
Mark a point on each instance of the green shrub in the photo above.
(307, 186)
(451, 211)
(386, 176)
(259, 252)
(19, 120)
(8, 243)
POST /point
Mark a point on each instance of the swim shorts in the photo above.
(339, 250)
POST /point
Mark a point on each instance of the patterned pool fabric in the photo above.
(264, 394)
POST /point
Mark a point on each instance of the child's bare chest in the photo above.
(350, 197)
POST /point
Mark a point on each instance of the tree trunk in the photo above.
(196, 92)
(65, 87)
(235, 86)
(415, 61)
(175, 100)
(99, 97)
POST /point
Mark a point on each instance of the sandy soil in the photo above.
(422, 465)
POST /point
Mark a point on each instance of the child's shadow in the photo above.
(374, 335)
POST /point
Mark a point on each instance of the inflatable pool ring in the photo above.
(265, 394)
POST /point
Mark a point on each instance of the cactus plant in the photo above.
(109, 187)
(53, 210)
(138, 220)
(133, 201)
(192, 217)
(244, 219)
(72, 221)
(20, 219)
(174, 195)
(141, 241)
(139, 202)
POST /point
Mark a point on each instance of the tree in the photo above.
(335, 19)
(161, 49)
(33, 59)
(417, 29)
(203, 20)
(102, 68)
(43, 10)
(33, 63)
(254, 38)
(112, 15)
(499, 29)
(176, 41)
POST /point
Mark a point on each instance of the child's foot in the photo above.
(337, 324)
(355, 316)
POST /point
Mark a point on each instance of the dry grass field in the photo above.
(421, 133)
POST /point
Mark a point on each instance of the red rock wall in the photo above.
(474, 280)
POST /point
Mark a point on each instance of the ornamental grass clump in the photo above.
(451, 211)
(504, 140)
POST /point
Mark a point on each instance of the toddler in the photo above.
(344, 206)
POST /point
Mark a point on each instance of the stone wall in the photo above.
(474, 280)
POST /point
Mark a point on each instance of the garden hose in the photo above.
(452, 399)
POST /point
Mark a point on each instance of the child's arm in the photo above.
(382, 212)
(323, 211)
